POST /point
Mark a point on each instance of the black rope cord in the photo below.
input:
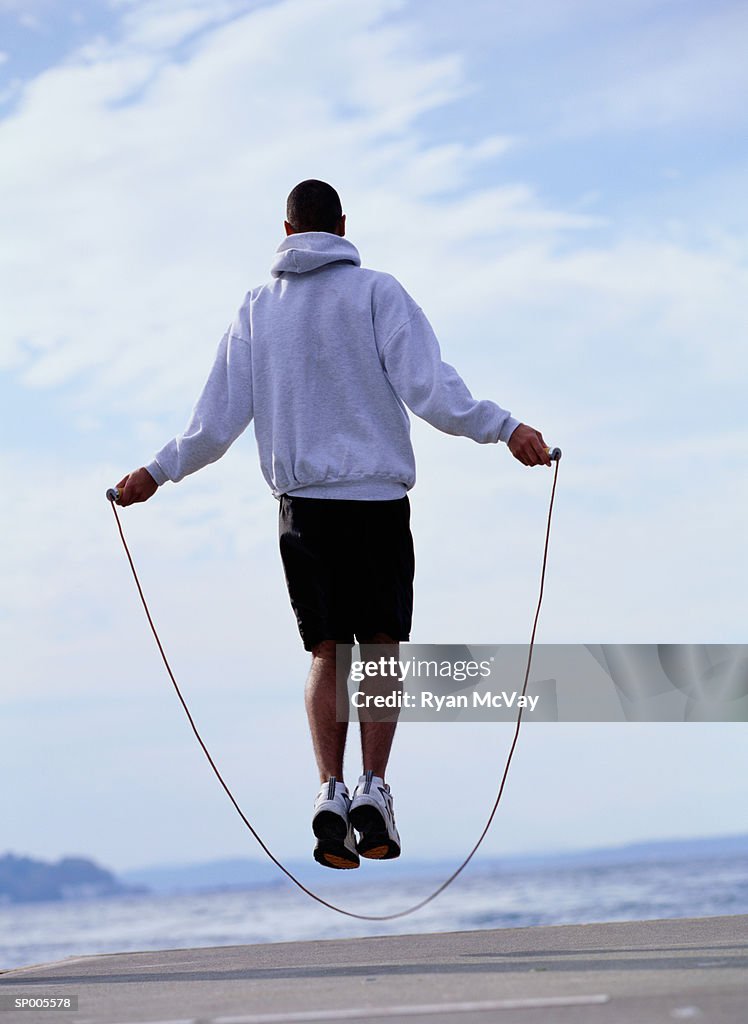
(319, 899)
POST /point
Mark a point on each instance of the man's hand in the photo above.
(138, 486)
(527, 445)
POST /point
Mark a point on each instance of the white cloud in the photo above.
(146, 194)
(665, 71)
(162, 24)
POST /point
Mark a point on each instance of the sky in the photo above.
(560, 184)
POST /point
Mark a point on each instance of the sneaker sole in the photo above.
(375, 842)
(331, 851)
(334, 856)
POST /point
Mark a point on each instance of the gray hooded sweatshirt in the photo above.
(325, 358)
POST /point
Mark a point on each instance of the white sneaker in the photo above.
(372, 815)
(336, 842)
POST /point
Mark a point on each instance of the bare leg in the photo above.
(377, 737)
(321, 698)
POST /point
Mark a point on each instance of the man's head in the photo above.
(314, 206)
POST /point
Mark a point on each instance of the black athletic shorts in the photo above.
(349, 567)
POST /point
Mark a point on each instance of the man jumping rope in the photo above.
(325, 358)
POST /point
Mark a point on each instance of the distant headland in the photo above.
(25, 880)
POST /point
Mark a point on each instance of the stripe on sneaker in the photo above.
(367, 784)
(331, 788)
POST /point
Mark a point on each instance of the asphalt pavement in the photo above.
(636, 972)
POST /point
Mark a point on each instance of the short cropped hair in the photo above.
(314, 206)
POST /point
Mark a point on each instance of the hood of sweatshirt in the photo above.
(310, 250)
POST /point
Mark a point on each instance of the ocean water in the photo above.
(485, 896)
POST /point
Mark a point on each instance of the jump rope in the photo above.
(113, 496)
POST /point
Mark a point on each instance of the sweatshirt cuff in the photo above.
(507, 428)
(157, 473)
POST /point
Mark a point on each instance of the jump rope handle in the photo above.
(112, 493)
(554, 454)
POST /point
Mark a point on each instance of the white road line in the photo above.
(185, 1020)
(418, 1010)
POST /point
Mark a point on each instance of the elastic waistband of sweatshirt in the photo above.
(371, 489)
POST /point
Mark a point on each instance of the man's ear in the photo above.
(341, 227)
(289, 229)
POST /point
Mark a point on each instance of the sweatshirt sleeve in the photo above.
(434, 390)
(222, 412)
